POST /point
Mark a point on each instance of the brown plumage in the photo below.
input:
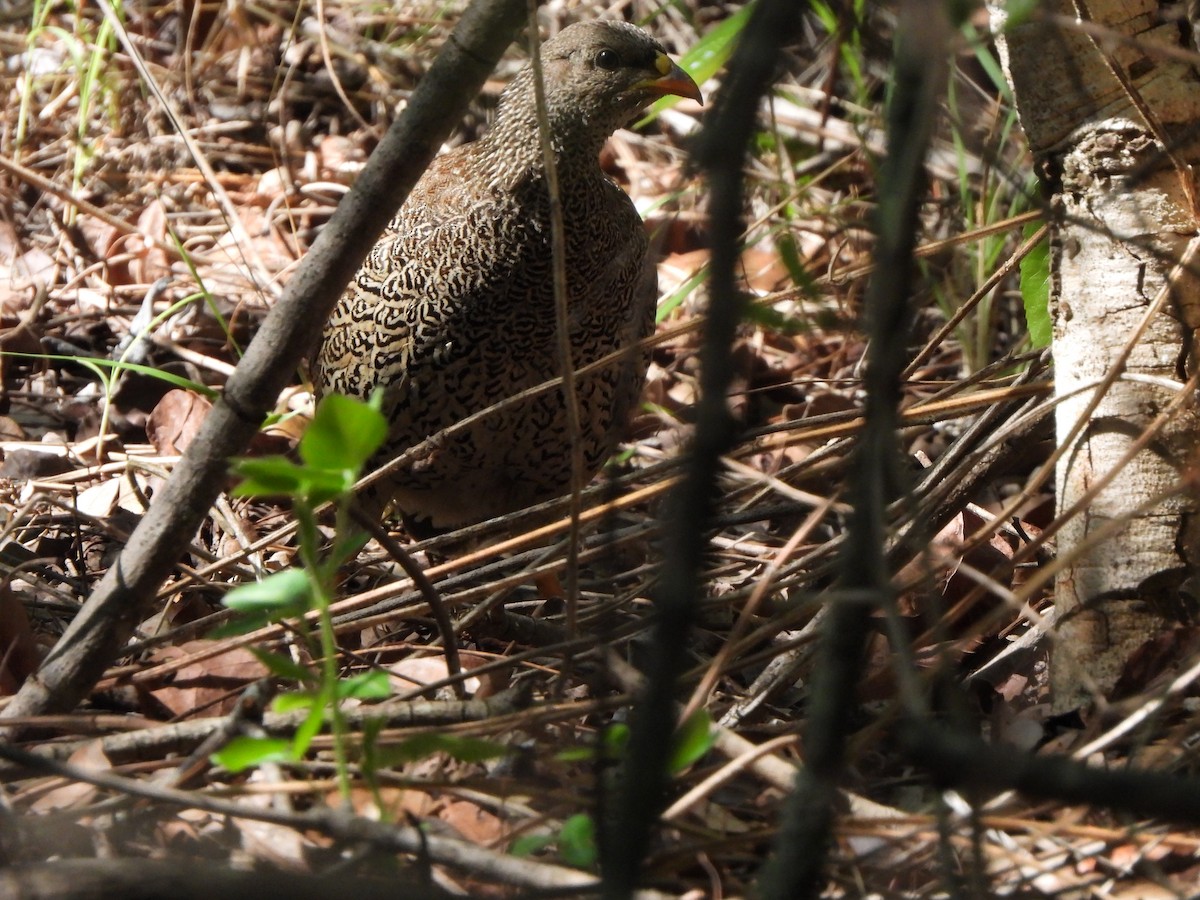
(454, 308)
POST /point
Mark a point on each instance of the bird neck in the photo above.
(514, 142)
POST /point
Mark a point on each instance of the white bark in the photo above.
(1123, 218)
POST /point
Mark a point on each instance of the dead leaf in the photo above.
(764, 269)
(149, 262)
(22, 272)
(281, 846)
(76, 793)
(417, 671)
(102, 499)
(11, 430)
(28, 465)
(473, 822)
(19, 653)
(175, 421)
(211, 685)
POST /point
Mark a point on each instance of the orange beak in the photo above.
(672, 80)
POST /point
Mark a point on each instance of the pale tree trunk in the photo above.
(1111, 123)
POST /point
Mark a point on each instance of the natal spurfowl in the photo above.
(454, 308)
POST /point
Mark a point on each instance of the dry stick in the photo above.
(562, 323)
(721, 149)
(770, 438)
(121, 599)
(916, 414)
(440, 614)
(327, 820)
(736, 765)
(1021, 597)
(714, 666)
(195, 879)
(245, 243)
(46, 186)
(146, 740)
(26, 320)
(957, 760)
(959, 472)
(919, 69)
(943, 491)
(933, 248)
(730, 646)
(369, 598)
(1144, 712)
(331, 69)
(342, 609)
(921, 413)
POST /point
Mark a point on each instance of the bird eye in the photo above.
(607, 59)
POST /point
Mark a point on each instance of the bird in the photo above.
(454, 310)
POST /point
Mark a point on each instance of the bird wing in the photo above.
(421, 300)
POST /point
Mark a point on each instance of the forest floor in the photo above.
(136, 264)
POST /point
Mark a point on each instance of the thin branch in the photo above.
(562, 325)
(721, 149)
(919, 71)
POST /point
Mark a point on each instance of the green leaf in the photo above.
(693, 739)
(274, 476)
(1019, 12)
(611, 746)
(343, 435)
(291, 701)
(789, 254)
(367, 686)
(1035, 289)
(270, 476)
(576, 754)
(312, 723)
(529, 844)
(346, 545)
(243, 753)
(284, 593)
(371, 730)
(772, 319)
(707, 57)
(97, 364)
(284, 666)
(577, 841)
(983, 46)
(826, 16)
(616, 739)
(673, 302)
(464, 749)
(325, 484)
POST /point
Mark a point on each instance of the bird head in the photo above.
(598, 75)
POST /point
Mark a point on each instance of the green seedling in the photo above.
(343, 436)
